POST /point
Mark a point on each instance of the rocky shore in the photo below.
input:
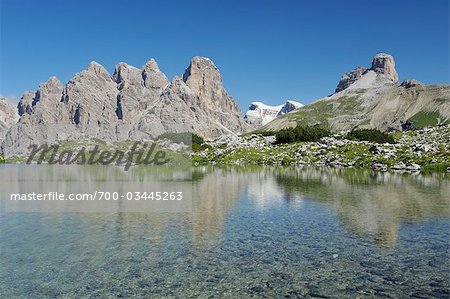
(414, 151)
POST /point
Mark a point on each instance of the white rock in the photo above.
(413, 167)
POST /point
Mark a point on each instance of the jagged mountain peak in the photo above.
(98, 69)
(384, 64)
(201, 60)
(151, 66)
(52, 81)
(200, 65)
(289, 106)
(124, 72)
(51, 87)
(381, 72)
(204, 79)
(133, 104)
(383, 56)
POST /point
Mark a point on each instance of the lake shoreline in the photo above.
(426, 150)
(420, 151)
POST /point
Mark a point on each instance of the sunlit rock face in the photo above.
(8, 116)
(384, 64)
(133, 103)
(349, 78)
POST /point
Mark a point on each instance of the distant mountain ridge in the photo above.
(373, 98)
(132, 104)
(259, 114)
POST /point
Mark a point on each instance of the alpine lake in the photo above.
(243, 232)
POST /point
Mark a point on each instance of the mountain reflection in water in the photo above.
(251, 232)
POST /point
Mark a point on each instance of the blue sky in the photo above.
(266, 50)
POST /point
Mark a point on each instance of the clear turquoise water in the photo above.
(253, 233)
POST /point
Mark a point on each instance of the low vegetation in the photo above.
(2, 160)
(301, 133)
(424, 119)
(187, 138)
(315, 133)
(427, 148)
(441, 100)
(371, 135)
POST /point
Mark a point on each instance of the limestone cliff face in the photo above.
(138, 89)
(8, 116)
(43, 116)
(205, 81)
(384, 64)
(349, 78)
(90, 100)
(133, 103)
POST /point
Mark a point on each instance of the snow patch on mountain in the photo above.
(289, 106)
(259, 114)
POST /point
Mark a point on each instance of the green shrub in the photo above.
(2, 160)
(435, 167)
(371, 135)
(197, 160)
(262, 133)
(197, 139)
(200, 147)
(301, 133)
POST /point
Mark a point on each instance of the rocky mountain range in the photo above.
(132, 104)
(373, 98)
(141, 104)
(259, 114)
